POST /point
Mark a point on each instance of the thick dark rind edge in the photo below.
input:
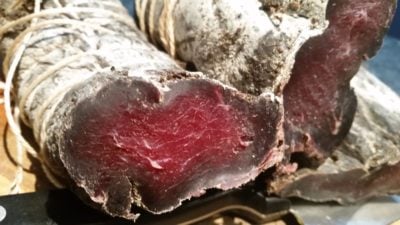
(345, 187)
(123, 193)
(60, 122)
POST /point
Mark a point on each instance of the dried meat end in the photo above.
(319, 104)
(366, 164)
(134, 142)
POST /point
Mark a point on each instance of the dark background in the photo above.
(386, 65)
(395, 29)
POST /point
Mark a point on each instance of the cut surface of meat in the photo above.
(367, 163)
(165, 145)
(120, 121)
(319, 103)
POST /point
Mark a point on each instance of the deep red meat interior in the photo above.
(319, 105)
(170, 146)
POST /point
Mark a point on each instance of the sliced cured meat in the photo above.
(367, 163)
(122, 122)
(132, 142)
(319, 103)
(258, 46)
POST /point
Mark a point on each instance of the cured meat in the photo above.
(120, 121)
(257, 46)
(124, 124)
(235, 42)
(367, 163)
(131, 142)
(319, 103)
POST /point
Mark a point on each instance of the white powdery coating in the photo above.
(206, 18)
(375, 135)
(90, 50)
(235, 42)
(385, 100)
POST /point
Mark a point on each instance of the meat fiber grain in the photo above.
(319, 103)
(367, 163)
(283, 47)
(219, 37)
(121, 121)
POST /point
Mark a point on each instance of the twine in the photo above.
(166, 22)
(19, 174)
(138, 7)
(20, 140)
(151, 21)
(142, 15)
(2, 85)
(14, 56)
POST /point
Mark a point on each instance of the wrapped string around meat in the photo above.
(119, 120)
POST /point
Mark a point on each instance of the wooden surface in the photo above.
(33, 177)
